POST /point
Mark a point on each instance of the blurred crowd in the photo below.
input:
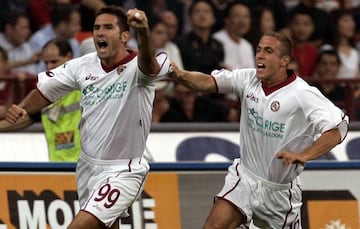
(200, 35)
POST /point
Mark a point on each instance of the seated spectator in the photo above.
(22, 58)
(305, 52)
(342, 40)
(171, 23)
(262, 21)
(198, 49)
(238, 51)
(161, 43)
(65, 23)
(327, 67)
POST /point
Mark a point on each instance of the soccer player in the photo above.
(117, 87)
(284, 123)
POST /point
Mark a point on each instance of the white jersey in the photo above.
(288, 116)
(116, 103)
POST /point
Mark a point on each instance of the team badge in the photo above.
(275, 106)
(120, 69)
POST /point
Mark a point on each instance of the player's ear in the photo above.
(124, 36)
(285, 60)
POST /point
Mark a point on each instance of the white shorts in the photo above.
(106, 189)
(267, 204)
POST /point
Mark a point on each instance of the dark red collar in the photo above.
(127, 59)
(290, 78)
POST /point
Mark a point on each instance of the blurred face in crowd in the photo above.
(19, 33)
(267, 21)
(346, 26)
(239, 20)
(158, 35)
(185, 97)
(328, 66)
(302, 27)
(202, 16)
(70, 29)
(52, 57)
(170, 20)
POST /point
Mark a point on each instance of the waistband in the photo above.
(85, 157)
(266, 183)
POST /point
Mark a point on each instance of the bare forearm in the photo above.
(147, 60)
(34, 102)
(21, 124)
(194, 80)
(323, 145)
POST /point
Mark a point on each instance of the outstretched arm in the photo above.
(147, 61)
(32, 103)
(321, 146)
(196, 81)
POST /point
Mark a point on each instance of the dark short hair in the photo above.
(286, 42)
(329, 52)
(232, 4)
(195, 2)
(117, 11)
(62, 13)
(12, 18)
(62, 44)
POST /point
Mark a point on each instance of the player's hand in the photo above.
(14, 113)
(137, 19)
(175, 71)
(290, 158)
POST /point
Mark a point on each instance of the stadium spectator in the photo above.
(305, 52)
(65, 23)
(171, 23)
(342, 40)
(237, 50)
(320, 19)
(17, 31)
(198, 49)
(161, 41)
(262, 21)
(327, 67)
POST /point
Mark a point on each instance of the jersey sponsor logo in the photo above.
(64, 140)
(266, 127)
(94, 95)
(275, 106)
(252, 97)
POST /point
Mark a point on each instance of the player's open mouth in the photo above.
(102, 44)
(260, 67)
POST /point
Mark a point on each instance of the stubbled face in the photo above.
(268, 60)
(52, 58)
(108, 38)
(328, 66)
